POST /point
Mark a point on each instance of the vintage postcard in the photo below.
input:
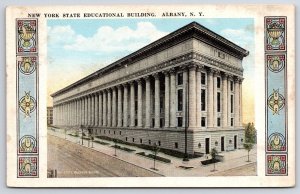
(151, 96)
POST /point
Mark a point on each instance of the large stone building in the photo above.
(188, 81)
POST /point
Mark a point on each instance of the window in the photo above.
(114, 132)
(126, 139)
(218, 82)
(104, 131)
(231, 103)
(219, 122)
(180, 99)
(161, 122)
(135, 122)
(120, 132)
(203, 78)
(109, 132)
(203, 121)
(176, 145)
(100, 130)
(231, 85)
(149, 142)
(179, 121)
(132, 139)
(179, 78)
(219, 102)
(231, 122)
(158, 143)
(153, 122)
(141, 140)
(203, 98)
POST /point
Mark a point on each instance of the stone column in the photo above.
(140, 103)
(93, 109)
(215, 120)
(86, 111)
(109, 115)
(132, 105)
(96, 123)
(236, 102)
(119, 106)
(172, 98)
(82, 110)
(148, 105)
(210, 98)
(228, 100)
(192, 96)
(157, 101)
(100, 110)
(104, 108)
(198, 96)
(167, 99)
(114, 107)
(125, 106)
(225, 100)
(241, 102)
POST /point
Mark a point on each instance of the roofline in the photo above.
(193, 25)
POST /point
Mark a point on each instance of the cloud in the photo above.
(238, 36)
(107, 39)
(60, 35)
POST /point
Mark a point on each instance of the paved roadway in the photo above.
(72, 160)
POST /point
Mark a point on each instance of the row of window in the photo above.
(203, 122)
(203, 101)
(203, 80)
(134, 140)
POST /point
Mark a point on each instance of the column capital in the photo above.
(172, 71)
(119, 87)
(139, 81)
(147, 77)
(166, 73)
(225, 75)
(183, 67)
(200, 67)
(125, 84)
(131, 82)
(108, 90)
(155, 75)
(213, 71)
(237, 79)
(192, 66)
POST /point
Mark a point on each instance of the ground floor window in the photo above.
(126, 138)
(219, 122)
(132, 139)
(203, 121)
(149, 142)
(179, 121)
(176, 145)
(158, 143)
(141, 140)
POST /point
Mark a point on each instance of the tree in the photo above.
(155, 151)
(214, 154)
(250, 136)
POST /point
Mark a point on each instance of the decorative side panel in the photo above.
(276, 95)
(27, 97)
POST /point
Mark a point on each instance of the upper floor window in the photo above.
(231, 85)
(218, 82)
(180, 99)
(203, 78)
(179, 78)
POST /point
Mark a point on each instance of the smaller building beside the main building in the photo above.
(181, 92)
(49, 115)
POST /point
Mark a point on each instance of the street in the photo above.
(72, 160)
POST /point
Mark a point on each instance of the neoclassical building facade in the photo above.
(181, 91)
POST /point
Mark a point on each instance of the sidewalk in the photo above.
(232, 159)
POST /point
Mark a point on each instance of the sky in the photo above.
(77, 48)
